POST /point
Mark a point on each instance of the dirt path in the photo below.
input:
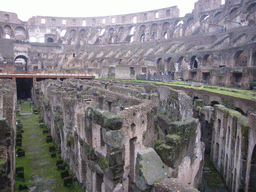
(40, 171)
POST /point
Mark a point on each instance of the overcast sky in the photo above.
(85, 8)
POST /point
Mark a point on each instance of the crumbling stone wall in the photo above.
(7, 134)
(215, 44)
(230, 139)
(107, 130)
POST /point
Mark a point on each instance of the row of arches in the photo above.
(240, 59)
(17, 33)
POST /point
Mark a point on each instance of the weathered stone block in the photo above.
(113, 139)
(183, 128)
(149, 168)
(103, 118)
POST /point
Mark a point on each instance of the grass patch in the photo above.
(239, 93)
(40, 169)
(25, 107)
(212, 177)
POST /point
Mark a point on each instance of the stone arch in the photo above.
(165, 28)
(233, 11)
(178, 22)
(250, 18)
(20, 33)
(252, 179)
(217, 14)
(207, 60)
(203, 17)
(111, 72)
(254, 58)
(141, 62)
(111, 34)
(142, 30)
(181, 63)
(21, 63)
(189, 20)
(214, 103)
(160, 65)
(72, 33)
(194, 63)
(170, 65)
(50, 40)
(8, 32)
(240, 58)
(122, 62)
(120, 30)
(251, 7)
(153, 31)
(103, 63)
(82, 33)
(132, 61)
(94, 63)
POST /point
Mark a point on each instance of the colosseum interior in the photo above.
(136, 102)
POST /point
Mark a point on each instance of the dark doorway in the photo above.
(24, 86)
(252, 183)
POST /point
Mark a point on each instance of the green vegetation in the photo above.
(239, 93)
(212, 176)
(26, 108)
(40, 171)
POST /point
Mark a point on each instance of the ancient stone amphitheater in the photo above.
(130, 136)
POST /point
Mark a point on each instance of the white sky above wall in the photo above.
(89, 8)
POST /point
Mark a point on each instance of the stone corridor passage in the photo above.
(40, 171)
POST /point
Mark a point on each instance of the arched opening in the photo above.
(240, 59)
(142, 38)
(218, 13)
(153, 31)
(50, 40)
(194, 63)
(32, 39)
(251, 7)
(181, 63)
(204, 17)
(111, 72)
(252, 181)
(7, 31)
(233, 11)
(170, 65)
(63, 33)
(21, 63)
(254, 59)
(95, 64)
(160, 65)
(207, 60)
(178, 22)
(214, 103)
(240, 111)
(20, 33)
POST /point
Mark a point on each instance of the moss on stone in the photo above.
(103, 163)
(105, 119)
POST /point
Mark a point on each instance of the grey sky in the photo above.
(84, 8)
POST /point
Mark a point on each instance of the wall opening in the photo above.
(240, 59)
(237, 78)
(194, 63)
(206, 77)
(50, 40)
(252, 186)
(21, 63)
(24, 86)
(132, 160)
(99, 181)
